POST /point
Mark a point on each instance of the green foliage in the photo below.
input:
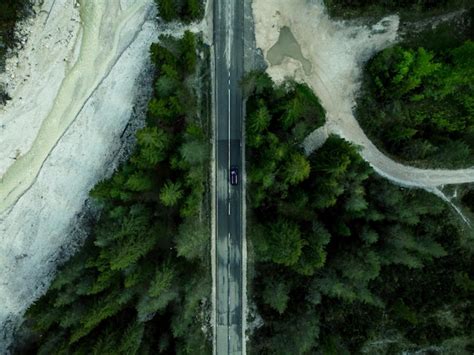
(123, 291)
(303, 106)
(185, 10)
(168, 9)
(153, 143)
(166, 85)
(314, 254)
(194, 9)
(11, 11)
(259, 120)
(188, 48)
(194, 152)
(351, 262)
(132, 339)
(147, 306)
(163, 280)
(297, 169)
(140, 182)
(418, 105)
(171, 193)
(299, 338)
(192, 241)
(397, 71)
(273, 113)
(276, 294)
(284, 242)
(468, 199)
(406, 8)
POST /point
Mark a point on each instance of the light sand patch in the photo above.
(338, 51)
(34, 76)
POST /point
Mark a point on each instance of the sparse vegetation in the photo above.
(10, 12)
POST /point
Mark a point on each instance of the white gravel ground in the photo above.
(82, 142)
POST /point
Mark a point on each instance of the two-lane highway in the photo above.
(228, 110)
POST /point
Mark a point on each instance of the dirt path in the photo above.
(337, 51)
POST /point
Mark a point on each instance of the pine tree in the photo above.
(194, 152)
(313, 256)
(153, 145)
(165, 86)
(162, 281)
(171, 193)
(188, 51)
(276, 293)
(140, 181)
(284, 242)
(194, 9)
(167, 9)
(259, 120)
(192, 240)
(297, 169)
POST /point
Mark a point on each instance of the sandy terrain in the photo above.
(337, 51)
(104, 37)
(34, 76)
(73, 87)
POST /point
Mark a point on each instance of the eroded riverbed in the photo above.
(100, 47)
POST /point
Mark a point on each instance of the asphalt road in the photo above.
(229, 61)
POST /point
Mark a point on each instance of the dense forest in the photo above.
(418, 104)
(141, 283)
(182, 10)
(408, 9)
(342, 261)
(468, 199)
(346, 262)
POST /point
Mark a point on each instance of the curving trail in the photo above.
(337, 51)
(101, 46)
(347, 127)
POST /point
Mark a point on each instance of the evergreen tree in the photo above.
(153, 143)
(192, 239)
(171, 193)
(167, 10)
(297, 169)
(284, 242)
(276, 293)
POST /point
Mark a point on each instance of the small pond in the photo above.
(287, 46)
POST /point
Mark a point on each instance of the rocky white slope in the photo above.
(73, 87)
